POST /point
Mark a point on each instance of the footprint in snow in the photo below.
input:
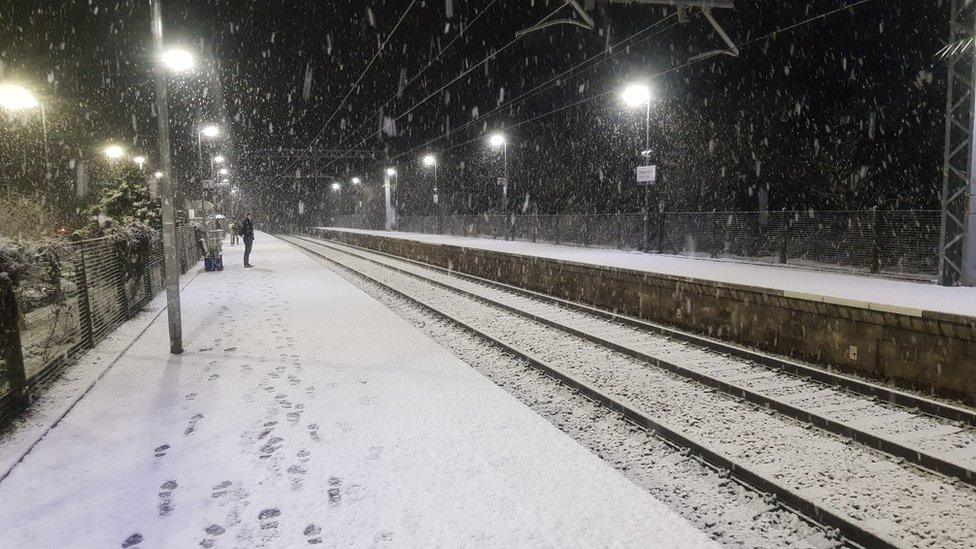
(268, 518)
(335, 493)
(160, 451)
(132, 541)
(312, 532)
(192, 426)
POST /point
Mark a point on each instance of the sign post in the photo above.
(646, 176)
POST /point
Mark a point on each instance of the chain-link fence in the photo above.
(73, 304)
(901, 243)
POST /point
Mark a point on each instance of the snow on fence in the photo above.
(55, 314)
(903, 243)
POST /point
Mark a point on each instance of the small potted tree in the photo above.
(213, 260)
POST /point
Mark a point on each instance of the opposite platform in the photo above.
(915, 335)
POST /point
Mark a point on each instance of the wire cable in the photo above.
(355, 84)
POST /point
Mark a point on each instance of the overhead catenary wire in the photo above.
(525, 96)
(356, 83)
(771, 34)
(420, 72)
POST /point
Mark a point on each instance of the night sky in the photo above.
(841, 112)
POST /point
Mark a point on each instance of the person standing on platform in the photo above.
(232, 228)
(247, 234)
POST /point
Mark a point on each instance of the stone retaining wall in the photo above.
(934, 352)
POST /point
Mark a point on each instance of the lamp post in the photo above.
(392, 203)
(498, 140)
(177, 62)
(430, 161)
(636, 95)
(15, 97)
(209, 131)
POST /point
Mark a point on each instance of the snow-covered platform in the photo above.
(915, 335)
(303, 411)
(830, 287)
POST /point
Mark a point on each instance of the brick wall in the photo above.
(930, 351)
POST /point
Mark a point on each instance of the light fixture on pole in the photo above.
(113, 152)
(336, 187)
(223, 171)
(356, 181)
(158, 175)
(178, 60)
(219, 159)
(498, 140)
(210, 131)
(430, 161)
(15, 97)
(391, 172)
(636, 95)
(139, 160)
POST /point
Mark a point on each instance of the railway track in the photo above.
(882, 473)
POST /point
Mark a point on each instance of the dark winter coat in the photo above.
(246, 230)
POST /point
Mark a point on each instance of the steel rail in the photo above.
(912, 455)
(854, 534)
(891, 395)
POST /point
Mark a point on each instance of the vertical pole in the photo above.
(646, 247)
(10, 347)
(437, 203)
(166, 190)
(509, 216)
(388, 202)
(968, 277)
(647, 219)
(47, 151)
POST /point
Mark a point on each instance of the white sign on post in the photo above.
(502, 181)
(646, 175)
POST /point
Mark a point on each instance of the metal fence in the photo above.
(901, 243)
(72, 306)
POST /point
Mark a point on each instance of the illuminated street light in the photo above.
(210, 130)
(430, 161)
(356, 181)
(15, 97)
(178, 59)
(158, 175)
(336, 187)
(391, 172)
(114, 152)
(636, 95)
(139, 160)
(496, 140)
(223, 171)
(219, 159)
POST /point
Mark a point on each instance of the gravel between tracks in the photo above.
(728, 512)
(896, 500)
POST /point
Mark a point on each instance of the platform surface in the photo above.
(303, 411)
(870, 292)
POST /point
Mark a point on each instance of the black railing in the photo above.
(901, 243)
(52, 315)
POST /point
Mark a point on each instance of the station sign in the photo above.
(646, 175)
